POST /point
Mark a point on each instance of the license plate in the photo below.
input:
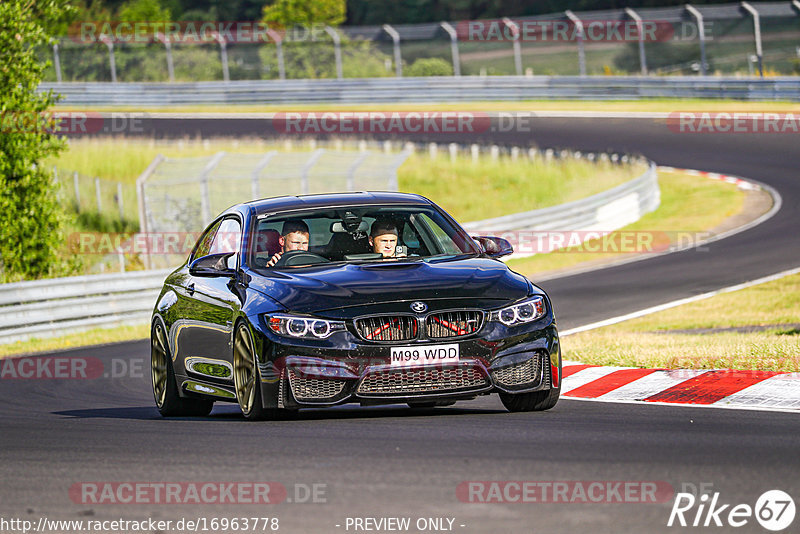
(424, 355)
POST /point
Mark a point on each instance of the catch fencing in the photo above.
(744, 38)
(184, 194)
(602, 213)
(111, 200)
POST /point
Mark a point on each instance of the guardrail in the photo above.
(433, 89)
(45, 308)
(603, 212)
(60, 306)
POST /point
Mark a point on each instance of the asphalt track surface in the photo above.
(393, 461)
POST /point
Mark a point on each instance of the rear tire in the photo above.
(165, 387)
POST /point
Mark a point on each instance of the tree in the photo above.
(288, 13)
(144, 10)
(31, 219)
(311, 55)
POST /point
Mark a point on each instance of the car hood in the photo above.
(328, 287)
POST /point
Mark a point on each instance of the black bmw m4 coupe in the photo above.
(370, 298)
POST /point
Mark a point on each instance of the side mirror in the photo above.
(494, 247)
(212, 265)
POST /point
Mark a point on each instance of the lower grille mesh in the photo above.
(314, 388)
(432, 380)
(518, 374)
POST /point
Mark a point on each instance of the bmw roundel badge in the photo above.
(418, 306)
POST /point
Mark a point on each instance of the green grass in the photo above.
(689, 204)
(474, 191)
(95, 336)
(643, 342)
(469, 191)
(124, 160)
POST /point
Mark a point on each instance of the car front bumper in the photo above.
(300, 373)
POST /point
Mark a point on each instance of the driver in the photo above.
(383, 238)
(294, 236)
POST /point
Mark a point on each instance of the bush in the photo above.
(431, 66)
(31, 217)
(316, 59)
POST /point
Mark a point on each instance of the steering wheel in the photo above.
(294, 258)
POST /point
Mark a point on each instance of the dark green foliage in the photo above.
(366, 12)
(31, 217)
(432, 66)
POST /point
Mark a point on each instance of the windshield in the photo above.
(359, 234)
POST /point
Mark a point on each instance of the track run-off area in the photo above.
(62, 438)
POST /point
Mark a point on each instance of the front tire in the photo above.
(165, 387)
(247, 380)
(535, 401)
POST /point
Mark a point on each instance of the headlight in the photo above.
(303, 327)
(524, 312)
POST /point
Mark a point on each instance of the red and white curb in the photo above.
(765, 390)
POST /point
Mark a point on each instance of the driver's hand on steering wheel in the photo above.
(274, 259)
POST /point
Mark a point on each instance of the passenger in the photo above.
(294, 236)
(383, 239)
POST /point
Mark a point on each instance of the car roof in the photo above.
(327, 200)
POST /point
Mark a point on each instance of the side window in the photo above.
(227, 239)
(204, 243)
(444, 242)
(410, 236)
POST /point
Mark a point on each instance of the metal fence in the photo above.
(601, 213)
(60, 306)
(428, 90)
(184, 194)
(736, 38)
(114, 201)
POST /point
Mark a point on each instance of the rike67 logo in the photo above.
(774, 510)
